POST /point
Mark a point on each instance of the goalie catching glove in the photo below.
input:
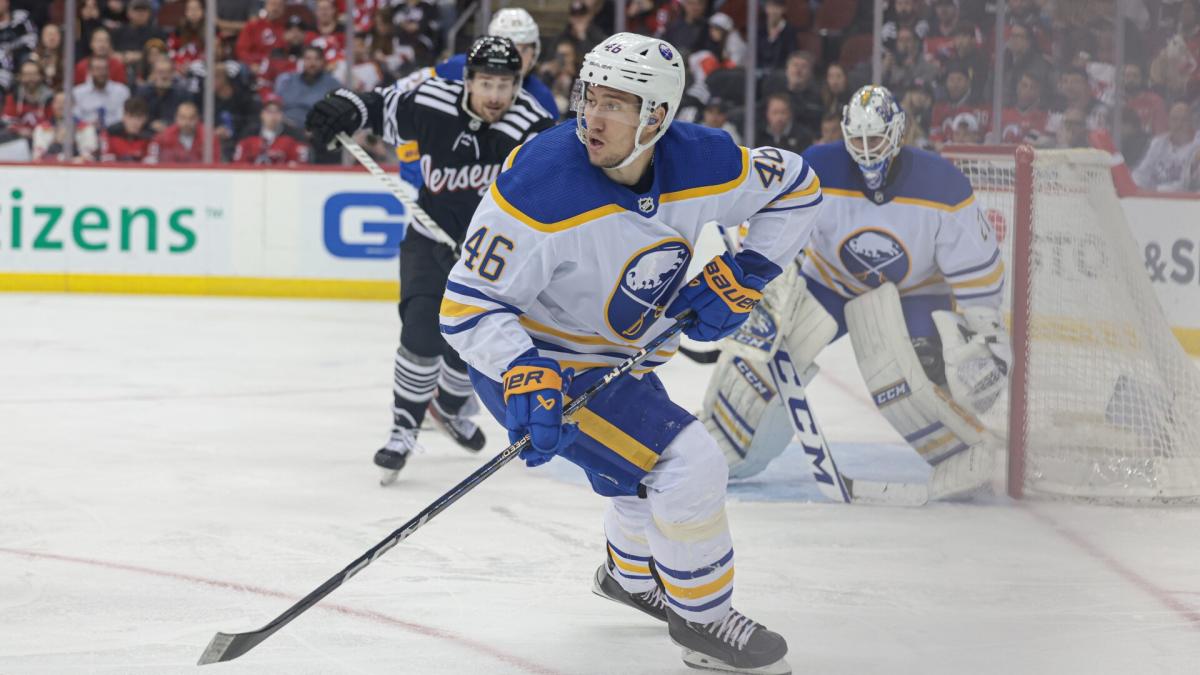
(533, 404)
(723, 294)
(977, 353)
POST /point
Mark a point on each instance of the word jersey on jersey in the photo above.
(460, 154)
(922, 230)
(562, 259)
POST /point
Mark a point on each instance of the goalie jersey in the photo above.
(922, 231)
(560, 258)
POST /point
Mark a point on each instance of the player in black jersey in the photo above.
(465, 131)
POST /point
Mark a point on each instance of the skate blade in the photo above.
(388, 476)
(702, 661)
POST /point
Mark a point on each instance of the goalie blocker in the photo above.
(756, 402)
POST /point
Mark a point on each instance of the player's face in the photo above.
(612, 120)
(490, 95)
(527, 51)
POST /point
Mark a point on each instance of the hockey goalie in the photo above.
(902, 260)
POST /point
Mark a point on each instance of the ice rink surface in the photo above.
(171, 467)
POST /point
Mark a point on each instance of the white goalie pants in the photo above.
(681, 524)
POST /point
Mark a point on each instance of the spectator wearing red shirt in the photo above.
(183, 142)
(939, 40)
(272, 145)
(129, 139)
(956, 100)
(28, 104)
(186, 43)
(101, 43)
(1025, 122)
(286, 56)
(262, 34)
(330, 35)
(1150, 107)
(648, 17)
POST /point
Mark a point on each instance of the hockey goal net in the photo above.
(1104, 403)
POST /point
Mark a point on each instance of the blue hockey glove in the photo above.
(533, 397)
(723, 294)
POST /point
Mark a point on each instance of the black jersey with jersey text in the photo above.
(460, 154)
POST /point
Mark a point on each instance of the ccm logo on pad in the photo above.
(891, 393)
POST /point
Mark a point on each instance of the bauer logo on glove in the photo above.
(724, 293)
(533, 395)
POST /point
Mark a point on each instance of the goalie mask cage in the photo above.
(1104, 404)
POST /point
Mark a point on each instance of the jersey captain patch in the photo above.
(874, 256)
(646, 283)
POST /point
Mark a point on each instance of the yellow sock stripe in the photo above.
(629, 448)
(696, 592)
(628, 566)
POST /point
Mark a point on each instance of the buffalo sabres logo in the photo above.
(646, 283)
(646, 204)
(874, 257)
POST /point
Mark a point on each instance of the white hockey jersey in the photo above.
(923, 231)
(560, 258)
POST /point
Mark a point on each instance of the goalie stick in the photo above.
(229, 646)
(393, 186)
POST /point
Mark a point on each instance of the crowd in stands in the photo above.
(137, 81)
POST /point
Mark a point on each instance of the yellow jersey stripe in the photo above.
(456, 310)
(558, 226)
(694, 593)
(819, 261)
(988, 280)
(628, 566)
(628, 447)
(839, 192)
(512, 157)
(709, 190)
(573, 337)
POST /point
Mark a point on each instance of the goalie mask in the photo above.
(648, 68)
(872, 124)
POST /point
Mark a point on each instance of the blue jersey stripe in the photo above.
(462, 289)
(976, 268)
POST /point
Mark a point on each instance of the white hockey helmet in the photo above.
(872, 124)
(646, 67)
(517, 25)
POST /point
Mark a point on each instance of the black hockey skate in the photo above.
(652, 602)
(459, 427)
(734, 644)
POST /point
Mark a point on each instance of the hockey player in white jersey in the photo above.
(576, 258)
(897, 221)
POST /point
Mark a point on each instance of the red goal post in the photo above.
(1103, 403)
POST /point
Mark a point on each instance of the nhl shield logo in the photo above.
(646, 204)
(646, 283)
(875, 257)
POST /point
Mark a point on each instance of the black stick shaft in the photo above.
(229, 646)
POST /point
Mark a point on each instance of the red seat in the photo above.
(833, 16)
(799, 15)
(809, 42)
(856, 49)
(171, 13)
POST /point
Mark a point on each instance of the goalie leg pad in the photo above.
(742, 408)
(937, 427)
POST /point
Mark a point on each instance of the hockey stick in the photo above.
(229, 646)
(393, 185)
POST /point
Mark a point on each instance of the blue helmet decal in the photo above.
(874, 257)
(647, 283)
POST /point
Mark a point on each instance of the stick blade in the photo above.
(888, 494)
(229, 646)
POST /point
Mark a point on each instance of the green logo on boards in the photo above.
(53, 227)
